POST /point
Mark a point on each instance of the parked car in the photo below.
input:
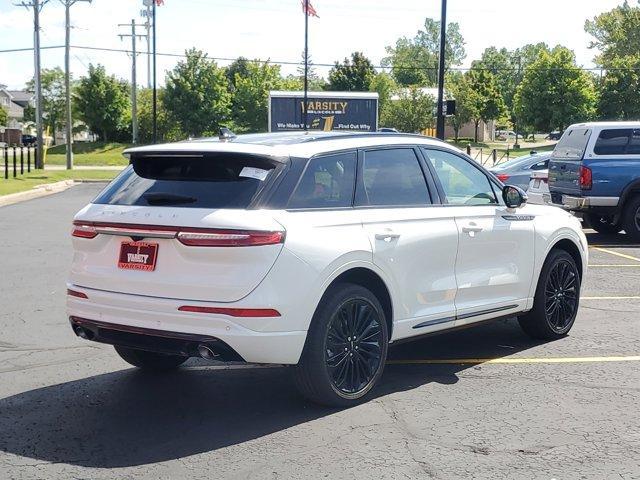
(517, 171)
(538, 191)
(3, 145)
(29, 140)
(553, 136)
(313, 250)
(595, 171)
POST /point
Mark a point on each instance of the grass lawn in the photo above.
(97, 154)
(39, 177)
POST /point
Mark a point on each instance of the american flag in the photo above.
(159, 2)
(308, 9)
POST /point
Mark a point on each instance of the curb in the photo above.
(41, 191)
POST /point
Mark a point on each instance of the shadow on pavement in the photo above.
(130, 418)
(610, 240)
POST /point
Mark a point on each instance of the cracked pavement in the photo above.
(72, 409)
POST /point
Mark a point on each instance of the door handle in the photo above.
(387, 237)
(471, 229)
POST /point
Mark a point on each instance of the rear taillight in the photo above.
(229, 238)
(75, 293)
(503, 177)
(232, 312)
(83, 230)
(586, 178)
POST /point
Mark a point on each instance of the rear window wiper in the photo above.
(160, 198)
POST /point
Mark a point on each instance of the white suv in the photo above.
(313, 250)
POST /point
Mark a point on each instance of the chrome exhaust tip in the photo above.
(205, 352)
(83, 333)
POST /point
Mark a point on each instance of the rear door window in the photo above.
(618, 141)
(218, 180)
(327, 182)
(572, 144)
(392, 177)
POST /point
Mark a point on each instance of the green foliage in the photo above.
(102, 103)
(616, 33)
(385, 85)
(314, 81)
(485, 101)
(168, 128)
(250, 102)
(197, 95)
(554, 92)
(460, 89)
(53, 98)
(237, 68)
(4, 117)
(620, 89)
(411, 112)
(414, 61)
(352, 75)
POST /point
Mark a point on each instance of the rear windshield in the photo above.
(220, 180)
(572, 144)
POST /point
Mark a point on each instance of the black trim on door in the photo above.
(464, 316)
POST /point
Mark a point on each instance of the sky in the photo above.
(273, 29)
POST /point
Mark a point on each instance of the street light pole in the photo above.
(443, 42)
(67, 80)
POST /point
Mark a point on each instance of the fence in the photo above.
(14, 159)
(492, 154)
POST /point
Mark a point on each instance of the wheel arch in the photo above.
(369, 279)
(630, 191)
(572, 249)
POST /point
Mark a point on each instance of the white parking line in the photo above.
(507, 360)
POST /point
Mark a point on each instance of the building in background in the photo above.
(14, 102)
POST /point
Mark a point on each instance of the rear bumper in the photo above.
(571, 202)
(155, 324)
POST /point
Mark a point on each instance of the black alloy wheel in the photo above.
(561, 295)
(354, 342)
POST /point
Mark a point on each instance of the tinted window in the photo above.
(462, 182)
(572, 144)
(540, 165)
(619, 141)
(203, 181)
(392, 177)
(328, 181)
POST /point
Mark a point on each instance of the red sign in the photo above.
(138, 256)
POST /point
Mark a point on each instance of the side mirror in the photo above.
(513, 196)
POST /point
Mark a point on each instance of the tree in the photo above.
(414, 61)
(466, 103)
(168, 129)
(237, 68)
(619, 90)
(250, 102)
(197, 96)
(616, 33)
(352, 75)
(554, 92)
(412, 111)
(102, 103)
(4, 117)
(314, 81)
(53, 98)
(385, 86)
(486, 102)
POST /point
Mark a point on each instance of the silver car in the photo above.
(518, 171)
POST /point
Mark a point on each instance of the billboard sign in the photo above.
(325, 111)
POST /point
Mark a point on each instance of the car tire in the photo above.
(346, 347)
(556, 300)
(631, 218)
(602, 224)
(150, 360)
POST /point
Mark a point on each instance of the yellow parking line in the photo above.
(613, 265)
(618, 254)
(476, 361)
(610, 298)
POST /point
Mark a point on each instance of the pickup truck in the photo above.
(595, 171)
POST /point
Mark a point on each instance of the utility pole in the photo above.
(147, 25)
(67, 78)
(134, 79)
(443, 42)
(37, 6)
(155, 91)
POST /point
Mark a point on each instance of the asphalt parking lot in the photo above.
(483, 403)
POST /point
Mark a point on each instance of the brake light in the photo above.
(75, 293)
(229, 238)
(83, 230)
(503, 177)
(586, 178)
(232, 312)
